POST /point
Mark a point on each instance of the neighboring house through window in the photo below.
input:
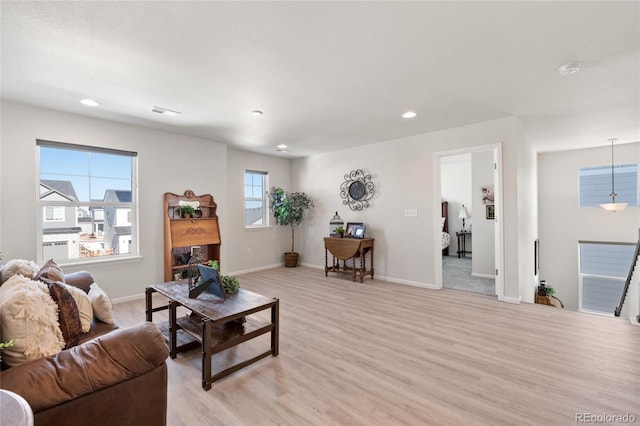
(255, 199)
(595, 185)
(88, 202)
(603, 269)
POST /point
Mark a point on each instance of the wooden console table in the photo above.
(345, 249)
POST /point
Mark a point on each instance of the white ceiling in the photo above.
(331, 75)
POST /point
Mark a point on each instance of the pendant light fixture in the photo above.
(613, 206)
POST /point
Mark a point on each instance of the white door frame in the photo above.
(498, 202)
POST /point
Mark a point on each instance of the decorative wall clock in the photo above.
(356, 190)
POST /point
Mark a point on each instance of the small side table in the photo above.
(15, 410)
(462, 243)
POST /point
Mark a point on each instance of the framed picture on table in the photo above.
(349, 231)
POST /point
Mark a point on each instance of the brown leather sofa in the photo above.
(117, 378)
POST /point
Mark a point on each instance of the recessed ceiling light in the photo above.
(90, 102)
(256, 113)
(282, 146)
(165, 111)
(410, 114)
(569, 68)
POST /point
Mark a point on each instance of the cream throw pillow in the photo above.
(102, 305)
(84, 306)
(29, 316)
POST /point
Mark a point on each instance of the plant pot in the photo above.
(291, 260)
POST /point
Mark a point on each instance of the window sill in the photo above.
(257, 228)
(98, 260)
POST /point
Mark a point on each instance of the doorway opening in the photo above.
(469, 187)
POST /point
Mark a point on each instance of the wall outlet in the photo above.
(411, 212)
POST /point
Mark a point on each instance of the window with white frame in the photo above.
(595, 185)
(80, 189)
(255, 199)
(603, 268)
(53, 214)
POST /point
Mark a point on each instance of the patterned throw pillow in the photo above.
(51, 271)
(68, 314)
(84, 306)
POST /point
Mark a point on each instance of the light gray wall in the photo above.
(455, 185)
(563, 223)
(257, 248)
(403, 171)
(483, 235)
(166, 163)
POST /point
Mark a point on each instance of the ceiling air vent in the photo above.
(165, 111)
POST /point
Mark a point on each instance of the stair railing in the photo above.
(634, 261)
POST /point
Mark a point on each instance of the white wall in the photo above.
(257, 248)
(562, 223)
(483, 235)
(455, 185)
(402, 170)
(166, 163)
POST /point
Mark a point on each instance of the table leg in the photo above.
(326, 263)
(275, 332)
(173, 329)
(363, 266)
(206, 354)
(149, 307)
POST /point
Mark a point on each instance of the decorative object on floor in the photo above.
(335, 222)
(356, 190)
(463, 214)
(288, 209)
(490, 211)
(613, 206)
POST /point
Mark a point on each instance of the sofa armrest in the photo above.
(97, 364)
(80, 279)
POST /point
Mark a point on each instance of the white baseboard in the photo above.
(491, 277)
(127, 298)
(309, 265)
(514, 300)
(260, 268)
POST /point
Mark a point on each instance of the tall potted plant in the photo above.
(288, 209)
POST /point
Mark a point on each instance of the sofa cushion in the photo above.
(68, 314)
(26, 268)
(83, 304)
(50, 270)
(29, 316)
(101, 303)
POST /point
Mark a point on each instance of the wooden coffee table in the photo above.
(214, 324)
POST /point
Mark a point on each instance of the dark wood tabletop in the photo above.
(244, 302)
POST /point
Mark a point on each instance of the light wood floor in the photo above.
(387, 354)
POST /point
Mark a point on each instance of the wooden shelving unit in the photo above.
(181, 234)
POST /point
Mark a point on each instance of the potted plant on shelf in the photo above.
(187, 211)
(339, 231)
(288, 209)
